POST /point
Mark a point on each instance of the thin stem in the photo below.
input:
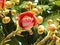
(7, 38)
(42, 42)
(38, 40)
(52, 42)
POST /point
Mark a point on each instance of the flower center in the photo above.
(26, 21)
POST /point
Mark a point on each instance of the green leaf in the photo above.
(45, 7)
(57, 3)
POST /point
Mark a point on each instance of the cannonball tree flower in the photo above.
(27, 20)
(2, 3)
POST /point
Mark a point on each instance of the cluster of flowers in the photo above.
(28, 19)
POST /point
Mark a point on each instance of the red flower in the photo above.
(27, 20)
(2, 3)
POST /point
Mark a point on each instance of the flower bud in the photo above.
(6, 20)
(33, 5)
(29, 3)
(58, 41)
(50, 21)
(52, 27)
(40, 19)
(35, 10)
(41, 29)
(27, 7)
(8, 4)
(58, 20)
(13, 12)
(6, 12)
(13, 2)
(17, 1)
(39, 8)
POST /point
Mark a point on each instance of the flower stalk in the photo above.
(7, 38)
(10, 35)
(52, 42)
(42, 42)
